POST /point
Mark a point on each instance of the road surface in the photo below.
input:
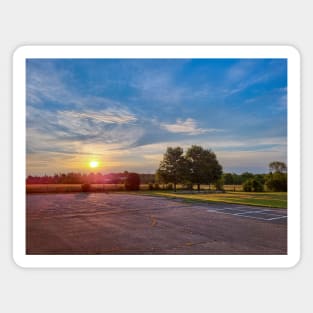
(120, 223)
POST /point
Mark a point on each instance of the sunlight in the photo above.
(93, 164)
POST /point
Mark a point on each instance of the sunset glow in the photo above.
(134, 108)
(93, 164)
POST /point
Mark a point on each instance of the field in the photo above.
(266, 199)
(62, 188)
(122, 223)
(54, 188)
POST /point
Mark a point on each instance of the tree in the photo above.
(252, 184)
(228, 179)
(278, 167)
(132, 181)
(173, 168)
(245, 176)
(203, 165)
(232, 179)
(277, 180)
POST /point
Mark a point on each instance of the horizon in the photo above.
(124, 113)
(123, 172)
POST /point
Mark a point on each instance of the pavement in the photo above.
(120, 223)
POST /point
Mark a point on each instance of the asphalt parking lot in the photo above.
(120, 223)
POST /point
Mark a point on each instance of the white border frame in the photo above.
(155, 261)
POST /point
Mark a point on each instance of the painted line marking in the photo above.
(247, 212)
(243, 214)
(276, 218)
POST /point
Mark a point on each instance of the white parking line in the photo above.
(276, 218)
(261, 212)
(243, 214)
(272, 214)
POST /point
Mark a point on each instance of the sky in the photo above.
(124, 113)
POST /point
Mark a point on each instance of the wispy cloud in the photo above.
(188, 126)
(73, 131)
(46, 84)
(156, 82)
(109, 116)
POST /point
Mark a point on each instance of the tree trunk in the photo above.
(198, 187)
(174, 187)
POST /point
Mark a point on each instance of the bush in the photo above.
(132, 181)
(86, 187)
(247, 185)
(277, 182)
(150, 186)
(252, 184)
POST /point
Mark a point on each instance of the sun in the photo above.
(93, 164)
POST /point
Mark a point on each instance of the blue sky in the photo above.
(125, 112)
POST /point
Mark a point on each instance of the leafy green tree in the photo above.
(277, 179)
(245, 176)
(173, 168)
(203, 166)
(232, 179)
(252, 184)
(278, 167)
(228, 178)
(260, 178)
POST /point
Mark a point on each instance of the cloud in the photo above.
(109, 116)
(44, 83)
(133, 109)
(240, 70)
(71, 132)
(156, 81)
(47, 85)
(188, 126)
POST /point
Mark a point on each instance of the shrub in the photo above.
(150, 186)
(277, 182)
(132, 181)
(247, 186)
(86, 187)
(252, 184)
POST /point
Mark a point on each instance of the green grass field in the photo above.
(266, 199)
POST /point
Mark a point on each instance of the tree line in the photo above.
(195, 167)
(275, 180)
(200, 166)
(91, 178)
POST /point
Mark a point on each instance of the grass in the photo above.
(265, 199)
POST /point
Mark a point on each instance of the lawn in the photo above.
(266, 199)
